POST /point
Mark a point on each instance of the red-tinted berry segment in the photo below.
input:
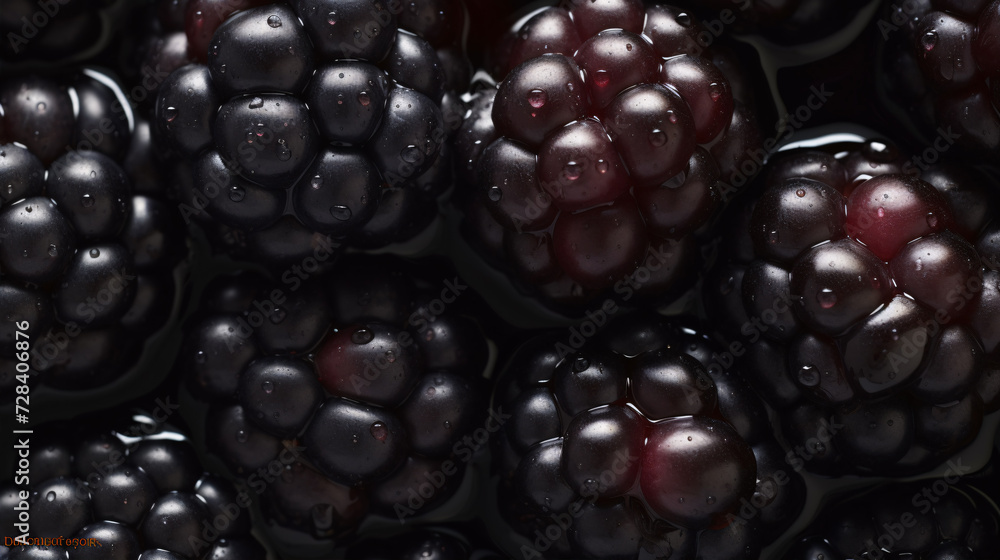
(363, 384)
(863, 298)
(609, 136)
(636, 424)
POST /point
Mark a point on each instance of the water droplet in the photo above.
(710, 500)
(773, 237)
(355, 438)
(256, 103)
(379, 431)
(537, 98)
(628, 46)
(274, 21)
(932, 220)
(430, 391)
(447, 425)
(808, 376)
(222, 69)
(267, 386)
(570, 87)
(198, 16)
(672, 116)
(690, 438)
(364, 98)
(53, 251)
(800, 193)
(494, 193)
(826, 298)
(50, 497)
(657, 137)
(316, 182)
(683, 19)
(880, 212)
(199, 357)
(602, 78)
(170, 113)
(929, 40)
(715, 91)
(28, 209)
(680, 500)
(237, 193)
(581, 364)
(331, 18)
(340, 212)
(602, 166)
(410, 154)
(284, 154)
(94, 253)
(572, 171)
(362, 336)
(86, 201)
(340, 99)
(241, 436)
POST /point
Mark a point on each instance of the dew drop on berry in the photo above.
(672, 116)
(170, 114)
(430, 391)
(316, 182)
(267, 386)
(51, 496)
(200, 357)
(379, 431)
(28, 209)
(222, 69)
(929, 40)
(362, 336)
(237, 194)
(572, 171)
(53, 251)
(331, 18)
(808, 376)
(274, 21)
(198, 16)
(277, 316)
(601, 78)
(581, 364)
(256, 103)
(241, 436)
(710, 500)
(494, 193)
(800, 193)
(340, 212)
(537, 98)
(94, 253)
(364, 98)
(880, 212)
(683, 19)
(86, 201)
(773, 237)
(932, 221)
(657, 137)
(826, 298)
(602, 166)
(410, 154)
(390, 356)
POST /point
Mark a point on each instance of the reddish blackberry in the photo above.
(604, 146)
(634, 445)
(941, 66)
(860, 293)
(127, 487)
(949, 518)
(87, 243)
(347, 393)
(313, 118)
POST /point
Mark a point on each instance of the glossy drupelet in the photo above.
(941, 68)
(357, 389)
(88, 242)
(861, 292)
(950, 518)
(310, 119)
(130, 487)
(612, 136)
(633, 444)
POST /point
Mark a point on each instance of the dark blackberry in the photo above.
(88, 243)
(634, 444)
(57, 32)
(949, 518)
(451, 542)
(860, 291)
(313, 118)
(605, 146)
(361, 385)
(126, 486)
(940, 69)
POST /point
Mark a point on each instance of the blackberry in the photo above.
(313, 119)
(376, 371)
(862, 290)
(452, 542)
(88, 244)
(787, 22)
(604, 147)
(57, 32)
(954, 517)
(127, 487)
(941, 67)
(634, 444)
